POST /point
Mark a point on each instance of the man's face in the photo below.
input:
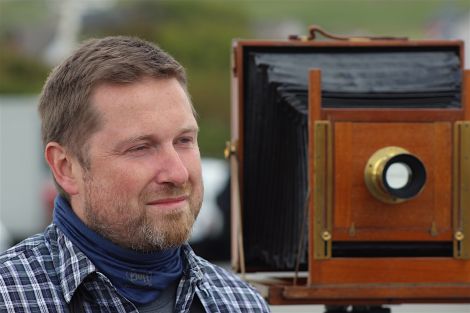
(143, 188)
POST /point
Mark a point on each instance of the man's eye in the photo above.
(186, 141)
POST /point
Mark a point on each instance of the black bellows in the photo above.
(275, 130)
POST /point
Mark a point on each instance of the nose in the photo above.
(171, 168)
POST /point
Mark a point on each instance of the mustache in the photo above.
(168, 191)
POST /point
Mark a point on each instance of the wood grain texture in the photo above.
(377, 221)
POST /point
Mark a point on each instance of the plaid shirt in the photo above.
(42, 274)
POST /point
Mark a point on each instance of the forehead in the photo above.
(147, 94)
(148, 104)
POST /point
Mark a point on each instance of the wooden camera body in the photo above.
(351, 170)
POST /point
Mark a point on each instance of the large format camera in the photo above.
(351, 169)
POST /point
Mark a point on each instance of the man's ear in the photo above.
(64, 168)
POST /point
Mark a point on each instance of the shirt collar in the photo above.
(71, 265)
(193, 270)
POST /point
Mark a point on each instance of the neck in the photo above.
(139, 276)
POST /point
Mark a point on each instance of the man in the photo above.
(120, 138)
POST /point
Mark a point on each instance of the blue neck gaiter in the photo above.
(138, 276)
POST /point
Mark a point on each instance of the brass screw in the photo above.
(326, 235)
(229, 149)
(459, 236)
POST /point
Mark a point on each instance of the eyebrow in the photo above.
(190, 129)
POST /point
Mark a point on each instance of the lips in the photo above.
(168, 201)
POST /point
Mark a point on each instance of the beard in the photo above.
(130, 224)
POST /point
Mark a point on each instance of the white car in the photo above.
(210, 222)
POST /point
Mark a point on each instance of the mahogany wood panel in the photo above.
(390, 270)
(357, 294)
(383, 292)
(377, 221)
(466, 94)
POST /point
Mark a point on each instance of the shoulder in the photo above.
(222, 277)
(27, 252)
(25, 270)
(229, 290)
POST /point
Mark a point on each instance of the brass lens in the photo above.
(394, 175)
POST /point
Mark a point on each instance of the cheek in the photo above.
(122, 181)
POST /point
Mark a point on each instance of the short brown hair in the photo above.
(64, 106)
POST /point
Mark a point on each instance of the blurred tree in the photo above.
(21, 71)
(199, 35)
(20, 74)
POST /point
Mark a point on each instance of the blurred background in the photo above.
(35, 35)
